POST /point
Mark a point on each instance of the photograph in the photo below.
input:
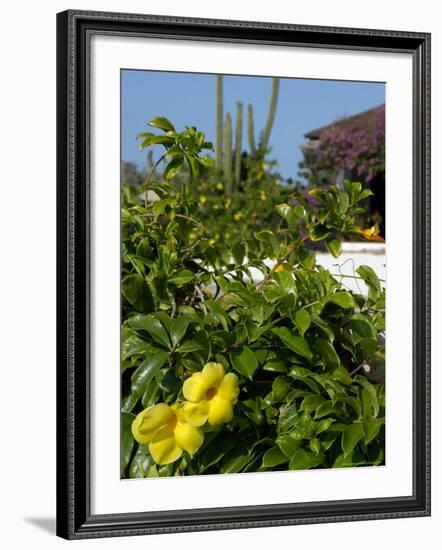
(253, 274)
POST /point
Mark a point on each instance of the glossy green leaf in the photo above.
(127, 440)
(141, 463)
(146, 372)
(288, 445)
(162, 123)
(342, 299)
(178, 329)
(133, 345)
(327, 353)
(296, 343)
(244, 361)
(174, 167)
(153, 326)
(303, 460)
(351, 436)
(273, 457)
(361, 326)
(334, 247)
(302, 320)
(136, 291)
(182, 277)
(311, 402)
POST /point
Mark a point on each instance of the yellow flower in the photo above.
(372, 234)
(283, 267)
(167, 432)
(210, 395)
(237, 216)
(228, 202)
(203, 199)
(219, 186)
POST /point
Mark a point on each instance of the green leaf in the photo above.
(174, 167)
(303, 460)
(280, 388)
(351, 436)
(334, 247)
(153, 326)
(369, 396)
(182, 277)
(170, 383)
(127, 440)
(162, 123)
(308, 259)
(327, 353)
(326, 408)
(151, 392)
(269, 239)
(319, 232)
(342, 375)
(371, 280)
(133, 345)
(218, 312)
(323, 425)
(235, 462)
(244, 361)
(369, 276)
(275, 366)
(315, 445)
(286, 212)
(311, 402)
(141, 463)
(302, 320)
(189, 346)
(288, 445)
(362, 326)
(342, 299)
(296, 343)
(273, 457)
(351, 460)
(371, 428)
(217, 448)
(146, 372)
(178, 329)
(288, 418)
(136, 291)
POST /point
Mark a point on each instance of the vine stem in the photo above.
(149, 176)
(193, 221)
(278, 263)
(358, 368)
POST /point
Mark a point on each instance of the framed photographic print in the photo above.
(243, 274)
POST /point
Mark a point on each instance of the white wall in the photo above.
(27, 218)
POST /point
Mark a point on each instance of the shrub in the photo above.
(295, 346)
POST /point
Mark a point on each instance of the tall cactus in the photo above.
(238, 141)
(271, 115)
(228, 151)
(251, 129)
(219, 122)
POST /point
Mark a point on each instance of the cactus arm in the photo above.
(251, 129)
(219, 122)
(271, 115)
(228, 151)
(238, 141)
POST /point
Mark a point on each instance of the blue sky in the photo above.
(189, 99)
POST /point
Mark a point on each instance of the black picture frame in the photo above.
(74, 519)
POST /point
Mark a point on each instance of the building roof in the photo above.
(366, 118)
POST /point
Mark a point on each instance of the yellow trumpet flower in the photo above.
(167, 432)
(210, 395)
(372, 234)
